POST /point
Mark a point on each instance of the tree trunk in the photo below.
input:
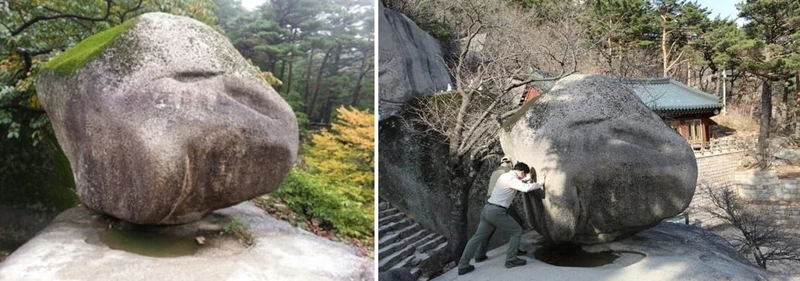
(333, 71)
(336, 61)
(797, 88)
(310, 106)
(270, 63)
(291, 63)
(328, 108)
(664, 51)
(289, 79)
(280, 77)
(766, 116)
(308, 73)
(362, 71)
(786, 92)
(283, 67)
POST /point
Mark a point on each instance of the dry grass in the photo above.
(739, 120)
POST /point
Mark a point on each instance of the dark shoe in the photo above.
(520, 253)
(481, 258)
(462, 271)
(512, 263)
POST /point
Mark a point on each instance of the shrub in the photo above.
(308, 196)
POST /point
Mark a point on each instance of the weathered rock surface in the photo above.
(671, 252)
(71, 249)
(414, 177)
(410, 62)
(787, 156)
(164, 121)
(610, 166)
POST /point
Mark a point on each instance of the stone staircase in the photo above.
(403, 242)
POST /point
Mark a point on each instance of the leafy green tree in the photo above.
(35, 31)
(614, 28)
(768, 51)
(681, 25)
(713, 46)
(321, 50)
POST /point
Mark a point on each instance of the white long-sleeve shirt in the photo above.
(507, 186)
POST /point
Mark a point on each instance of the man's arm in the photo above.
(515, 183)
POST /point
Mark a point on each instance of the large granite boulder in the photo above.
(78, 245)
(410, 62)
(164, 121)
(610, 166)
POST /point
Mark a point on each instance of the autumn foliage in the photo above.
(337, 182)
(344, 154)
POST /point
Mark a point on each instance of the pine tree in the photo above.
(769, 52)
(615, 27)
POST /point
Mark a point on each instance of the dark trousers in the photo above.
(484, 246)
(492, 218)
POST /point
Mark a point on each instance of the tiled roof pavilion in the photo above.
(666, 94)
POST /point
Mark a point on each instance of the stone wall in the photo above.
(714, 168)
(782, 212)
(717, 168)
(777, 198)
(754, 185)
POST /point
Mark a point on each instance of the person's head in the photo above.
(506, 162)
(521, 169)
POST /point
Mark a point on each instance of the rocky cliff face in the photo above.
(410, 62)
(414, 174)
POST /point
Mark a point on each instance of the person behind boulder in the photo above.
(505, 166)
(495, 215)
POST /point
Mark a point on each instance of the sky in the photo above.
(251, 4)
(723, 8)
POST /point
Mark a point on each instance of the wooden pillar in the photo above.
(683, 130)
(704, 133)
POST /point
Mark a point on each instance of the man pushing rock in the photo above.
(495, 215)
(505, 166)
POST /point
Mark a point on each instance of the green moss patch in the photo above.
(76, 57)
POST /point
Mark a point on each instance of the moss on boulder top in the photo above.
(76, 57)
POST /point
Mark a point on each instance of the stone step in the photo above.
(382, 230)
(416, 271)
(418, 258)
(393, 259)
(386, 251)
(390, 219)
(391, 238)
(389, 212)
(428, 238)
(440, 248)
(404, 263)
(404, 243)
(425, 248)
